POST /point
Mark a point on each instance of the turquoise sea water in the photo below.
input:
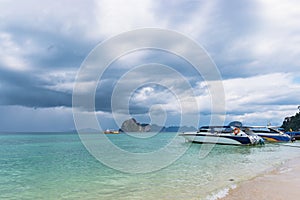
(57, 166)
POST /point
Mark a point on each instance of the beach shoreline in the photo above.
(278, 184)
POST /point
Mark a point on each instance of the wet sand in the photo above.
(282, 183)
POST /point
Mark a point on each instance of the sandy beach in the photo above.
(281, 183)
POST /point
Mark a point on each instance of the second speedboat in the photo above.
(270, 134)
(223, 135)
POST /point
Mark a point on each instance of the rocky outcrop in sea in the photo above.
(131, 125)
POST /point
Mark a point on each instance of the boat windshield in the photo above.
(214, 129)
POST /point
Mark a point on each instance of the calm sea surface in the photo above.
(57, 166)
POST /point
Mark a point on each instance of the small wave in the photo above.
(284, 170)
(221, 193)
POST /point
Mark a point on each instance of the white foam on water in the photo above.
(221, 193)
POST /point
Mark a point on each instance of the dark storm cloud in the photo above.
(30, 90)
(48, 49)
(17, 88)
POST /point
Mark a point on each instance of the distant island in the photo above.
(131, 125)
(291, 123)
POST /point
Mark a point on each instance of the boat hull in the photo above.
(217, 139)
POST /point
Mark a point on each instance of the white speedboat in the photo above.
(223, 135)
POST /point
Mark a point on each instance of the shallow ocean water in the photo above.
(58, 166)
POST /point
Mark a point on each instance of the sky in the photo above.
(254, 44)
